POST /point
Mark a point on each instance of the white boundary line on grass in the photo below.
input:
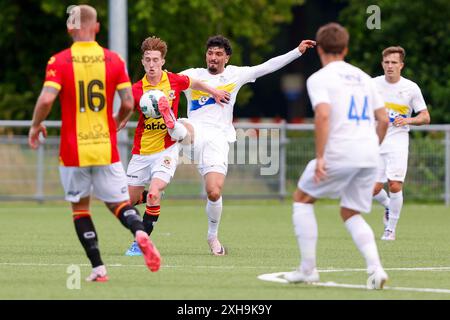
(272, 277)
(325, 270)
(276, 277)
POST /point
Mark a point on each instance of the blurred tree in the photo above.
(422, 28)
(33, 30)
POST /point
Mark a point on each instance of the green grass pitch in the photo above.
(38, 244)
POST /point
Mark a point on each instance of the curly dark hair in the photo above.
(221, 42)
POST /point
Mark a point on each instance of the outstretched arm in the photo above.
(221, 96)
(41, 111)
(279, 62)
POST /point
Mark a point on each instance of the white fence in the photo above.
(265, 162)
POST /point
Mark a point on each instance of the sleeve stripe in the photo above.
(123, 85)
(52, 84)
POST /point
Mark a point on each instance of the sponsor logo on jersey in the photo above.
(201, 99)
(89, 59)
(396, 110)
(155, 126)
(95, 134)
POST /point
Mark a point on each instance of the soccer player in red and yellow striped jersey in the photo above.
(151, 135)
(155, 154)
(86, 76)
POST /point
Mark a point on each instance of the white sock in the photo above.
(305, 227)
(178, 132)
(364, 239)
(383, 198)
(395, 207)
(214, 212)
(100, 270)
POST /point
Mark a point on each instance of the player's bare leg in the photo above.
(153, 205)
(136, 194)
(152, 199)
(214, 182)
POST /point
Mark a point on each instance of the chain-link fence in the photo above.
(265, 162)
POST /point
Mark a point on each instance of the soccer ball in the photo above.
(149, 103)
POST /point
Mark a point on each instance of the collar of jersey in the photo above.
(146, 84)
(84, 43)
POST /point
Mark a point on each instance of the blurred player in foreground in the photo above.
(86, 76)
(401, 97)
(346, 105)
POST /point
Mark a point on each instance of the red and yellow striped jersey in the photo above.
(151, 135)
(87, 76)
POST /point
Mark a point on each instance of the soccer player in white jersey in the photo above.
(212, 124)
(346, 105)
(401, 97)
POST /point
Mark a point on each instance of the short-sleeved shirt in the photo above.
(151, 135)
(203, 108)
(352, 139)
(401, 99)
(87, 76)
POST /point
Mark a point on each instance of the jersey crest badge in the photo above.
(51, 73)
(167, 162)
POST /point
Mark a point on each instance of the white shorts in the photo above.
(209, 151)
(161, 165)
(109, 183)
(353, 186)
(393, 166)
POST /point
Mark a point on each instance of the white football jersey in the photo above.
(203, 108)
(401, 99)
(352, 139)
